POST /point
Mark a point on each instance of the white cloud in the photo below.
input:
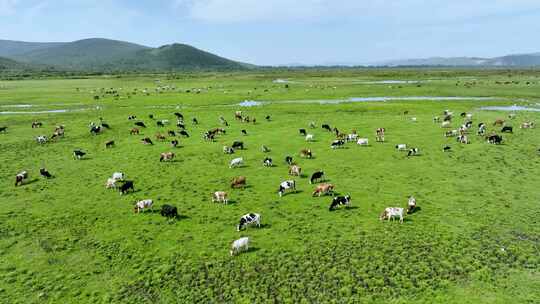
(244, 11)
(7, 7)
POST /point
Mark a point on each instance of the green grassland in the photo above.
(70, 240)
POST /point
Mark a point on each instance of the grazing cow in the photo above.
(168, 156)
(220, 197)
(309, 137)
(445, 124)
(306, 153)
(339, 143)
(238, 145)
(174, 143)
(340, 201)
(237, 162)
(238, 115)
(527, 125)
(140, 124)
(160, 137)
(41, 139)
(327, 127)
(411, 204)
(463, 114)
(447, 118)
(142, 205)
(228, 150)
(447, 149)
(45, 173)
(78, 154)
(244, 132)
(452, 133)
(413, 152)
(323, 189)
(302, 132)
(265, 149)
(109, 144)
(495, 139)
(312, 125)
(380, 134)
(118, 176)
(512, 115)
(180, 125)
(134, 131)
(401, 147)
(267, 162)
(268, 118)
(507, 129)
(20, 177)
(126, 186)
(3, 129)
(289, 160)
(295, 170)
(162, 123)
(498, 122)
(351, 137)
(147, 141)
(316, 176)
(392, 212)
(468, 124)
(464, 139)
(151, 116)
(132, 117)
(363, 142)
(286, 185)
(169, 211)
(248, 220)
(436, 119)
(238, 182)
(195, 121)
(414, 119)
(171, 133)
(36, 124)
(179, 115)
(240, 245)
(481, 128)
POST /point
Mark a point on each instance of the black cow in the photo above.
(268, 118)
(507, 129)
(289, 160)
(174, 143)
(147, 141)
(179, 115)
(3, 129)
(45, 173)
(126, 186)
(95, 130)
(495, 139)
(244, 132)
(140, 124)
(109, 144)
(195, 121)
(183, 133)
(160, 123)
(171, 133)
(319, 175)
(340, 200)
(302, 132)
(238, 145)
(151, 116)
(78, 154)
(169, 211)
(447, 149)
(327, 127)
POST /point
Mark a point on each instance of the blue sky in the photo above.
(289, 31)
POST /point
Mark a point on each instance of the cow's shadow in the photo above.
(29, 182)
(415, 210)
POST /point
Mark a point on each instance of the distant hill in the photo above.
(520, 60)
(10, 48)
(99, 54)
(8, 64)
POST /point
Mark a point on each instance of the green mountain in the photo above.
(8, 64)
(104, 55)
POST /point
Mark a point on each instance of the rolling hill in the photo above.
(9, 64)
(99, 54)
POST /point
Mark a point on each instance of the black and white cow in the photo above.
(495, 139)
(20, 177)
(267, 162)
(507, 129)
(340, 201)
(289, 160)
(45, 173)
(339, 143)
(327, 127)
(248, 220)
(238, 145)
(413, 152)
(302, 132)
(286, 185)
(78, 154)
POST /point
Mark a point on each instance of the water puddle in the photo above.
(40, 112)
(513, 108)
(250, 103)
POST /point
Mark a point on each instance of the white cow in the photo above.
(220, 197)
(237, 162)
(445, 124)
(41, 139)
(118, 176)
(309, 137)
(392, 212)
(242, 244)
(363, 142)
(413, 119)
(401, 147)
(144, 204)
(111, 183)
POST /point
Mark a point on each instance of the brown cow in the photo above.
(168, 156)
(295, 170)
(238, 182)
(160, 137)
(134, 131)
(323, 189)
(306, 153)
(499, 122)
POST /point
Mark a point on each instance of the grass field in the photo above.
(70, 240)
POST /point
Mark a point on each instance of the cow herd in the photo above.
(118, 180)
